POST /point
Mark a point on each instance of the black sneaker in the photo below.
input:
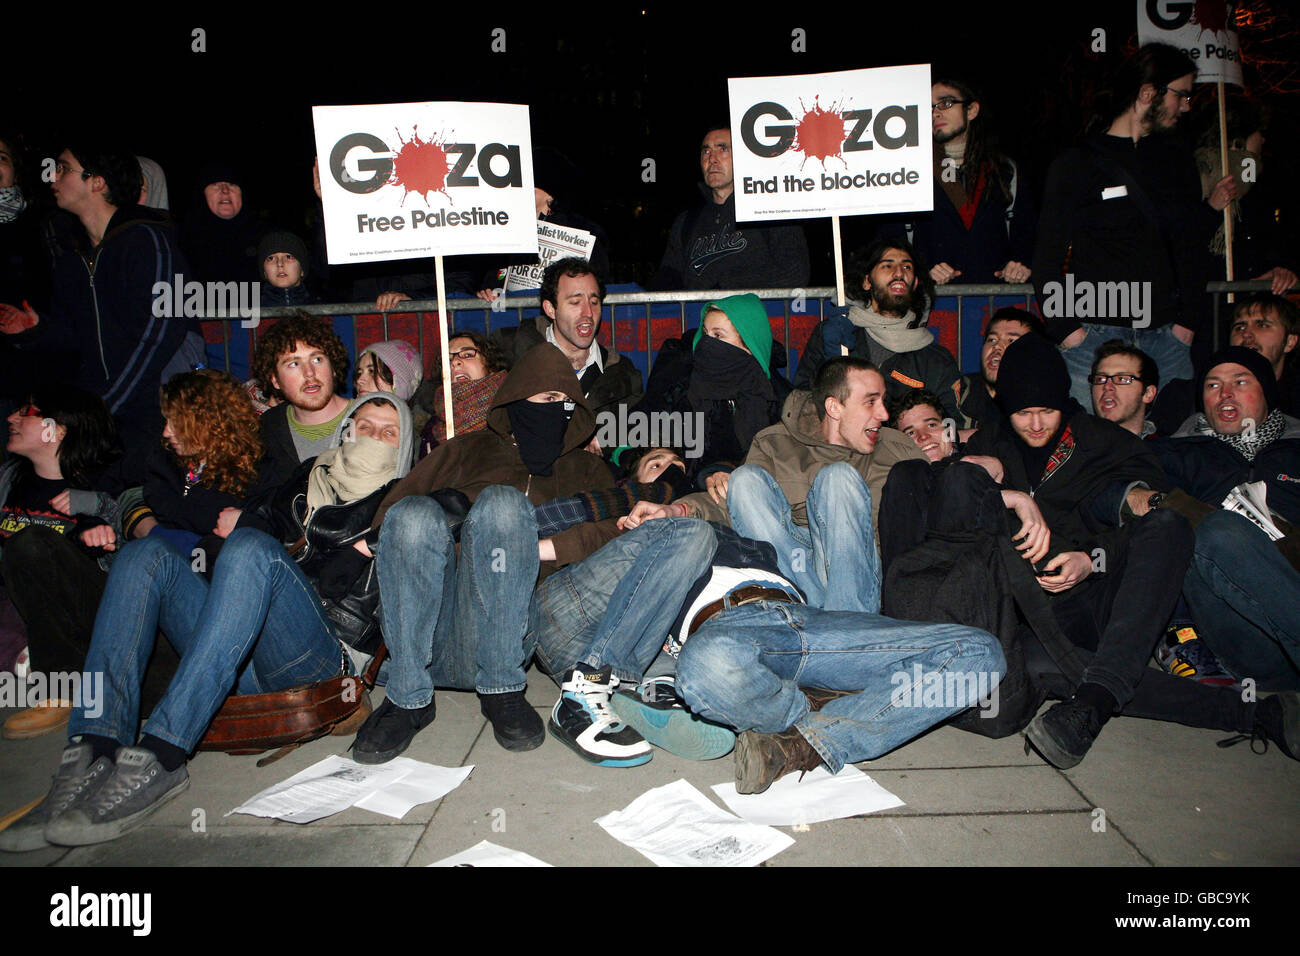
(515, 723)
(582, 720)
(1277, 718)
(389, 730)
(1063, 735)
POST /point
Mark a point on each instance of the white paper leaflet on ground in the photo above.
(820, 795)
(676, 825)
(337, 783)
(486, 853)
(554, 242)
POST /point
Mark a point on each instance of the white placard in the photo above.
(1200, 30)
(832, 144)
(410, 180)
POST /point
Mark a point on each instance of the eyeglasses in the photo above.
(1185, 95)
(946, 103)
(1117, 379)
(465, 355)
(62, 169)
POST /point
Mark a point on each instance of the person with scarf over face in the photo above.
(479, 594)
(265, 622)
(727, 378)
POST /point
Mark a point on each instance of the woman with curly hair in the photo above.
(477, 371)
(208, 457)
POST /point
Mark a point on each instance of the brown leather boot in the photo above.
(762, 759)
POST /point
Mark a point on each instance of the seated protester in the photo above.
(656, 475)
(1124, 381)
(56, 515)
(727, 376)
(571, 295)
(477, 371)
(208, 459)
(886, 326)
(262, 624)
(919, 416)
(301, 362)
(977, 405)
(811, 485)
(392, 366)
(808, 687)
(458, 617)
(1265, 323)
(282, 261)
(1242, 587)
(1065, 458)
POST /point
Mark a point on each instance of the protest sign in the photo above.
(408, 180)
(554, 242)
(1200, 29)
(832, 144)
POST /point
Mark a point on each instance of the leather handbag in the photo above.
(286, 719)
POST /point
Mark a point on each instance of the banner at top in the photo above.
(406, 180)
(826, 144)
(1199, 29)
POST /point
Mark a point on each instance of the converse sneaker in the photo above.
(656, 712)
(583, 722)
(137, 787)
(77, 780)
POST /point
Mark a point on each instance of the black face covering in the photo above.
(538, 429)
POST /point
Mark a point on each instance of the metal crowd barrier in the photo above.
(639, 322)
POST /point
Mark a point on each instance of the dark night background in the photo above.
(607, 87)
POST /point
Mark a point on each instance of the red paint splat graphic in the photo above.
(1212, 15)
(420, 166)
(820, 134)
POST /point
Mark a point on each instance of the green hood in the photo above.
(747, 314)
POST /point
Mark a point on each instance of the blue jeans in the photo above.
(617, 606)
(1244, 597)
(453, 623)
(839, 534)
(744, 668)
(1173, 359)
(259, 609)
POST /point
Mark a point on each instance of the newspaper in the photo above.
(1251, 499)
(553, 242)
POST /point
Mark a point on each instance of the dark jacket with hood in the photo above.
(102, 308)
(618, 384)
(471, 462)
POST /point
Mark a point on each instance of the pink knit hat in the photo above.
(403, 361)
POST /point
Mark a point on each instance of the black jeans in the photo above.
(56, 588)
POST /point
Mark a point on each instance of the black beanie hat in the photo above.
(1250, 359)
(1032, 375)
(281, 241)
(218, 172)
